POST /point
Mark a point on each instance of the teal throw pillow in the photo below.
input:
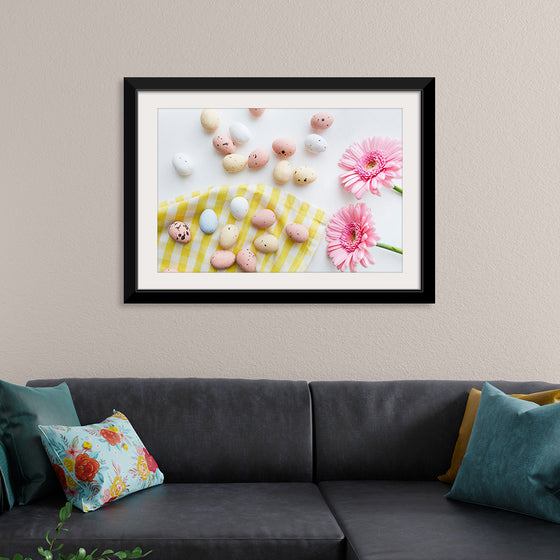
(7, 498)
(100, 463)
(513, 457)
(21, 410)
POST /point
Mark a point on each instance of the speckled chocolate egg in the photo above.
(222, 259)
(247, 260)
(284, 147)
(304, 175)
(239, 207)
(263, 219)
(258, 158)
(182, 164)
(229, 236)
(224, 144)
(282, 172)
(256, 112)
(298, 233)
(210, 120)
(234, 163)
(322, 120)
(208, 221)
(240, 133)
(266, 243)
(315, 143)
(180, 232)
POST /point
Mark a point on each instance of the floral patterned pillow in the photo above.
(99, 463)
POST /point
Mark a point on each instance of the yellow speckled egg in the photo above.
(304, 175)
(266, 243)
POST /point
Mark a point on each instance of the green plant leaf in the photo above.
(81, 554)
(18, 557)
(58, 547)
(121, 555)
(47, 537)
(105, 552)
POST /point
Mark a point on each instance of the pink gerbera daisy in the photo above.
(376, 161)
(350, 233)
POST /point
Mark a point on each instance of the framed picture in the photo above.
(277, 190)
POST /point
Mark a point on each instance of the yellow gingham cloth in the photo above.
(195, 255)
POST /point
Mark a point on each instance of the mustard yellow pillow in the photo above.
(541, 398)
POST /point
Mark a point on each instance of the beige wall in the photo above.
(498, 195)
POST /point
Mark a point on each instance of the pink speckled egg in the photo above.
(247, 260)
(297, 233)
(180, 232)
(222, 259)
(224, 144)
(256, 112)
(284, 147)
(321, 121)
(258, 158)
(263, 219)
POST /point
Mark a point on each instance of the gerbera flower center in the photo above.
(351, 236)
(371, 164)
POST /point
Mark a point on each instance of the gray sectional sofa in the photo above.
(285, 470)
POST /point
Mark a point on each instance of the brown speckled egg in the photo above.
(247, 260)
(258, 158)
(321, 121)
(284, 147)
(224, 144)
(256, 112)
(222, 259)
(297, 233)
(180, 232)
(263, 219)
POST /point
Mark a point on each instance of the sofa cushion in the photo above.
(399, 430)
(21, 410)
(100, 463)
(541, 398)
(513, 457)
(411, 520)
(276, 521)
(209, 430)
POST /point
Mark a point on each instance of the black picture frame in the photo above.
(425, 86)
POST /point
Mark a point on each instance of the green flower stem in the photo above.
(389, 248)
(398, 189)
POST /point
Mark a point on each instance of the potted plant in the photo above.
(53, 553)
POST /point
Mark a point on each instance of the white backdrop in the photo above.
(179, 130)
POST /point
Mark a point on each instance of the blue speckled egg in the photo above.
(208, 221)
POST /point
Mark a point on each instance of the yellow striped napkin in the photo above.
(195, 255)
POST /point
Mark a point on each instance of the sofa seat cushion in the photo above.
(412, 520)
(192, 521)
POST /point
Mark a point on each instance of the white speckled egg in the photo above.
(182, 164)
(208, 221)
(209, 120)
(298, 233)
(263, 218)
(266, 243)
(284, 147)
(239, 132)
(228, 236)
(315, 143)
(304, 175)
(224, 144)
(282, 172)
(222, 259)
(256, 112)
(247, 260)
(234, 163)
(239, 207)
(322, 121)
(258, 158)
(180, 232)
